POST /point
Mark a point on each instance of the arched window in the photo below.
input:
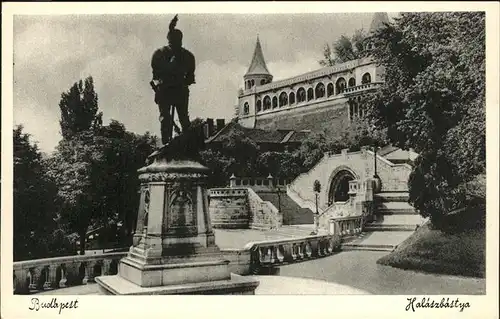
(310, 94)
(267, 103)
(275, 102)
(283, 99)
(246, 108)
(253, 83)
(262, 82)
(340, 86)
(352, 82)
(291, 98)
(367, 78)
(320, 90)
(329, 90)
(259, 106)
(301, 95)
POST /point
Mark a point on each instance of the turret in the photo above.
(257, 73)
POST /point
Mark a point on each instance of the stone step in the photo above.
(368, 247)
(392, 208)
(392, 196)
(394, 227)
(412, 219)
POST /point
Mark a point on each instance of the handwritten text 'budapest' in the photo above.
(413, 304)
(36, 304)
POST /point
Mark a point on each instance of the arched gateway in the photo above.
(338, 186)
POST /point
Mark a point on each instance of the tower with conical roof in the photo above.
(378, 21)
(257, 73)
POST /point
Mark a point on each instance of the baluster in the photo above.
(261, 255)
(62, 282)
(307, 250)
(300, 251)
(48, 273)
(269, 255)
(15, 282)
(85, 277)
(294, 252)
(280, 253)
(32, 279)
(330, 246)
(106, 263)
(90, 271)
(273, 254)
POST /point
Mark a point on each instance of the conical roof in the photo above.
(258, 64)
(379, 18)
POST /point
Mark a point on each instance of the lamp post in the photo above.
(279, 199)
(317, 190)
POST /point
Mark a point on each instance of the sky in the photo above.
(51, 52)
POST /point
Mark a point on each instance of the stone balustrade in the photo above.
(258, 184)
(346, 226)
(59, 272)
(273, 253)
(362, 87)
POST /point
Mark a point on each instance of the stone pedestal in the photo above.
(174, 250)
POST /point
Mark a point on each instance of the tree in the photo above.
(237, 155)
(433, 101)
(33, 196)
(79, 109)
(345, 49)
(279, 164)
(97, 178)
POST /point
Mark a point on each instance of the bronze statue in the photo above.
(173, 72)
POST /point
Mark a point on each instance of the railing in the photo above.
(362, 87)
(225, 192)
(303, 203)
(257, 183)
(346, 226)
(275, 253)
(59, 272)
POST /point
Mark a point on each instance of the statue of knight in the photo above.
(173, 72)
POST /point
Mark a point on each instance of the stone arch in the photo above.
(291, 98)
(367, 78)
(338, 183)
(275, 102)
(352, 82)
(246, 108)
(310, 94)
(319, 90)
(340, 85)
(259, 105)
(267, 102)
(301, 95)
(283, 100)
(252, 83)
(329, 90)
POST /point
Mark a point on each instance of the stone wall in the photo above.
(239, 208)
(264, 215)
(229, 208)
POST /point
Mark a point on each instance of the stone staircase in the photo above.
(393, 213)
(293, 214)
(395, 220)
